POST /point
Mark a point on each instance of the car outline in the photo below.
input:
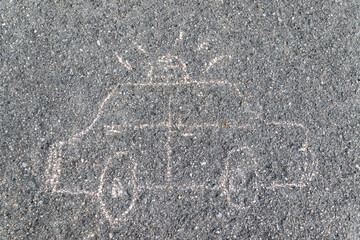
(54, 170)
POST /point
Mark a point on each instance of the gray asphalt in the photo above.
(180, 120)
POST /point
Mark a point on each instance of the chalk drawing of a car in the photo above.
(172, 132)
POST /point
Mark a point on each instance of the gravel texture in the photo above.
(180, 119)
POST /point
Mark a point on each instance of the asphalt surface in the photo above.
(180, 120)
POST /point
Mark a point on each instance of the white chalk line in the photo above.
(100, 195)
(150, 73)
(125, 63)
(54, 165)
(76, 137)
(141, 49)
(187, 134)
(210, 64)
(201, 46)
(182, 83)
(179, 38)
(77, 192)
(183, 187)
(117, 188)
(168, 143)
(168, 60)
(230, 189)
(119, 129)
(56, 148)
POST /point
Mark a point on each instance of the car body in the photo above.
(181, 134)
